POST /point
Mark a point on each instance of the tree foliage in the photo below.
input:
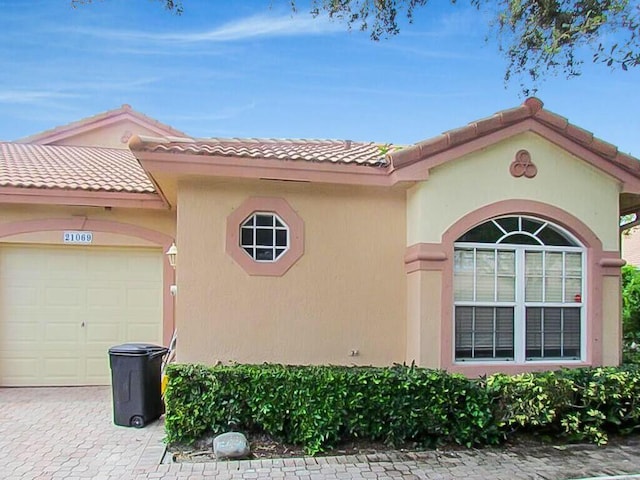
(538, 37)
(631, 302)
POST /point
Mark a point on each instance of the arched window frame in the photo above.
(472, 316)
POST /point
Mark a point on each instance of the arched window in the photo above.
(518, 292)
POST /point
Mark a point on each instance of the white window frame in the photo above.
(274, 228)
(520, 304)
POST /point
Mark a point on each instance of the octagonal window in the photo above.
(264, 236)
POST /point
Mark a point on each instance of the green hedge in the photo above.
(631, 314)
(318, 407)
(578, 404)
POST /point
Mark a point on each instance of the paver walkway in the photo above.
(68, 434)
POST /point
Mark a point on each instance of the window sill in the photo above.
(474, 369)
(513, 362)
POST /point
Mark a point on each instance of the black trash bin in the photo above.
(136, 370)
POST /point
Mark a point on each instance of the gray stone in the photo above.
(230, 445)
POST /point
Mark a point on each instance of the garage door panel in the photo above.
(67, 264)
(96, 366)
(62, 366)
(103, 333)
(141, 298)
(143, 269)
(20, 371)
(106, 297)
(62, 335)
(63, 296)
(23, 296)
(21, 331)
(62, 308)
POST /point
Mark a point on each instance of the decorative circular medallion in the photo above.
(126, 135)
(523, 166)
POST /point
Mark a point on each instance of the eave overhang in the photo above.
(50, 196)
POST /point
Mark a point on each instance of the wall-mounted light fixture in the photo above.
(172, 254)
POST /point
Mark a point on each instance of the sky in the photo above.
(251, 68)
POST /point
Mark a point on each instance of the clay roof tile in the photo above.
(532, 108)
(71, 168)
(322, 151)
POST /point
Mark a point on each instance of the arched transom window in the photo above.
(518, 292)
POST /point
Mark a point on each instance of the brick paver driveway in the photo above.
(67, 433)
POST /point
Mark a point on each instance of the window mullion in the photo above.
(495, 335)
(475, 274)
(543, 333)
(544, 276)
(519, 330)
(562, 332)
(473, 333)
(273, 237)
(495, 277)
(564, 276)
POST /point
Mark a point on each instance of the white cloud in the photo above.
(31, 96)
(258, 26)
(68, 90)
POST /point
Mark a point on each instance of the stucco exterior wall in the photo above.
(482, 178)
(577, 195)
(424, 318)
(347, 291)
(111, 136)
(611, 323)
(162, 221)
(631, 246)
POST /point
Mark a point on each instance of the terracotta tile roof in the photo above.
(97, 120)
(532, 108)
(71, 168)
(329, 151)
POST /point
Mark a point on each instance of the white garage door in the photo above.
(61, 308)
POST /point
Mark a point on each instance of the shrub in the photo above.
(631, 314)
(320, 406)
(631, 300)
(577, 404)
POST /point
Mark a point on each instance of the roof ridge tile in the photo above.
(69, 127)
(578, 134)
(532, 108)
(512, 115)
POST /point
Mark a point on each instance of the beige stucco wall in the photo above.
(630, 241)
(461, 186)
(347, 292)
(482, 178)
(611, 322)
(162, 221)
(115, 135)
(424, 318)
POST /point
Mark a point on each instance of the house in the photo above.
(492, 247)
(82, 267)
(631, 246)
